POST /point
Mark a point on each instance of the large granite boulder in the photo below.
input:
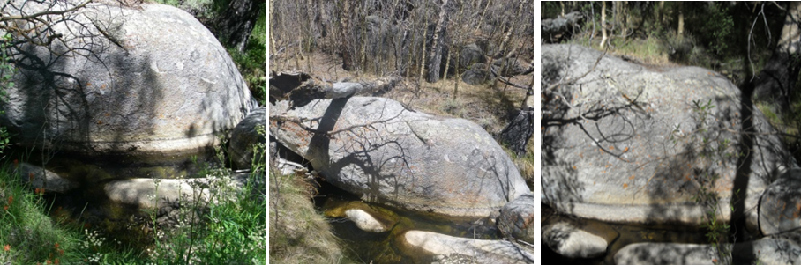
(144, 79)
(628, 144)
(244, 136)
(379, 149)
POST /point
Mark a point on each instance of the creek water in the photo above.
(388, 247)
(620, 235)
(88, 207)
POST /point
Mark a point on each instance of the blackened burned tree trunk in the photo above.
(518, 132)
(435, 57)
(344, 36)
(237, 21)
(780, 73)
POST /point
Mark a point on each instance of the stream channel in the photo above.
(388, 247)
(88, 207)
(618, 236)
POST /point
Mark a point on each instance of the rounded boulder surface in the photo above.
(780, 205)
(571, 242)
(365, 221)
(638, 156)
(517, 218)
(475, 250)
(150, 79)
(244, 136)
(379, 149)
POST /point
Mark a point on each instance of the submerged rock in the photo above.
(571, 242)
(41, 178)
(379, 149)
(160, 193)
(475, 250)
(628, 144)
(369, 218)
(365, 221)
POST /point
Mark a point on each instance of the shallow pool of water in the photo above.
(621, 236)
(388, 247)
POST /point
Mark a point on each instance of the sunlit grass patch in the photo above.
(298, 232)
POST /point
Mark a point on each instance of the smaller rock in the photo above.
(517, 218)
(244, 136)
(453, 259)
(665, 253)
(160, 193)
(287, 167)
(369, 218)
(571, 242)
(763, 251)
(474, 250)
(38, 178)
(365, 221)
(477, 74)
(767, 251)
(343, 90)
(508, 67)
(471, 54)
(780, 204)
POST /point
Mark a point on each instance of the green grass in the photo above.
(252, 63)
(232, 231)
(28, 235)
(525, 163)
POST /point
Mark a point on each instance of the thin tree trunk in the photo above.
(423, 53)
(344, 47)
(603, 25)
(436, 48)
(659, 11)
(272, 33)
(780, 73)
(680, 28)
(481, 18)
(237, 21)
